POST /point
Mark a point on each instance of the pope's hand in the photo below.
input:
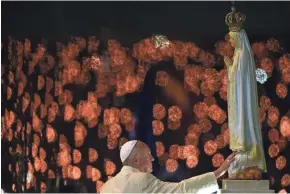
(228, 61)
(225, 165)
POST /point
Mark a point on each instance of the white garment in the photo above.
(243, 118)
(131, 180)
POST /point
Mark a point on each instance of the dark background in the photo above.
(129, 22)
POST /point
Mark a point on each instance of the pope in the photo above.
(136, 177)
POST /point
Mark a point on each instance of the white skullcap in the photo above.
(127, 149)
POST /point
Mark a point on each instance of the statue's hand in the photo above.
(228, 61)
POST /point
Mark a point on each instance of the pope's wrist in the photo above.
(217, 173)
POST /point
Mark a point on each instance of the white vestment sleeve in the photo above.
(205, 183)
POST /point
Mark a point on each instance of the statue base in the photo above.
(245, 186)
(250, 173)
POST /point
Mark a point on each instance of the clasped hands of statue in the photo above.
(228, 61)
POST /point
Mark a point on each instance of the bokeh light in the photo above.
(171, 165)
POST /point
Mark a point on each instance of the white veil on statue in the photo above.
(244, 125)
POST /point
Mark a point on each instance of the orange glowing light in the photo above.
(51, 174)
(115, 131)
(55, 107)
(174, 113)
(273, 150)
(171, 165)
(112, 143)
(36, 139)
(281, 162)
(25, 102)
(36, 123)
(201, 110)
(282, 143)
(259, 49)
(114, 115)
(281, 90)
(162, 78)
(9, 93)
(285, 180)
(191, 139)
(69, 113)
(265, 102)
(43, 111)
(43, 166)
(217, 160)
(76, 173)
(40, 82)
(209, 100)
(180, 152)
(174, 125)
(58, 90)
(77, 156)
(89, 171)
(190, 150)
(132, 84)
(51, 134)
(192, 161)
(126, 116)
(96, 174)
(273, 114)
(110, 167)
(63, 158)
(273, 135)
(93, 123)
(217, 114)
(42, 187)
(173, 151)
(80, 134)
(273, 45)
(267, 65)
(93, 155)
(160, 149)
(194, 129)
(205, 125)
(210, 147)
(159, 111)
(42, 153)
(220, 141)
(65, 98)
(285, 126)
(37, 164)
(99, 185)
(20, 88)
(37, 101)
(158, 127)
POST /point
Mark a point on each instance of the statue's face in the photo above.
(232, 40)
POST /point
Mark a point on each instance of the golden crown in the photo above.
(235, 20)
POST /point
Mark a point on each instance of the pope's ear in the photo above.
(135, 159)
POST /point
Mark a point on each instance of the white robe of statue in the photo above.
(243, 119)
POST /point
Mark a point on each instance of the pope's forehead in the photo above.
(143, 146)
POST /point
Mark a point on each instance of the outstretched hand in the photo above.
(225, 165)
